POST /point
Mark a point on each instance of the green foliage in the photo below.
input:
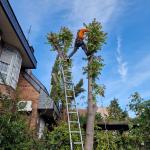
(115, 112)
(135, 103)
(141, 131)
(105, 141)
(95, 37)
(57, 89)
(14, 133)
(83, 120)
(94, 68)
(98, 90)
(65, 38)
(56, 93)
(58, 138)
(60, 41)
(135, 138)
(113, 140)
(79, 88)
(98, 117)
(138, 135)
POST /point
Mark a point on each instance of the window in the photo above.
(3, 77)
(3, 66)
(3, 71)
(10, 64)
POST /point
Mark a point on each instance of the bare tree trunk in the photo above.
(91, 111)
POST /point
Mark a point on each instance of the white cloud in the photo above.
(86, 10)
(73, 12)
(138, 76)
(122, 65)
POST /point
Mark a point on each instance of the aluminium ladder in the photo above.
(72, 111)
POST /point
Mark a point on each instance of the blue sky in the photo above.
(126, 54)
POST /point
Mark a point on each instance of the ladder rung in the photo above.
(69, 89)
(70, 96)
(66, 66)
(72, 112)
(77, 143)
(71, 104)
(74, 131)
(73, 121)
(67, 71)
(68, 82)
(68, 76)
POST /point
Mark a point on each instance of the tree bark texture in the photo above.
(91, 111)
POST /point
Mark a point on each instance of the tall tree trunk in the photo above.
(91, 111)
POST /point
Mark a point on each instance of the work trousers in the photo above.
(79, 43)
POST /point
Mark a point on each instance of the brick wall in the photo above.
(7, 90)
(28, 92)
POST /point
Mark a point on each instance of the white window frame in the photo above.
(2, 78)
(14, 66)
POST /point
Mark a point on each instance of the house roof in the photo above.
(102, 110)
(13, 34)
(114, 125)
(107, 125)
(35, 82)
(45, 102)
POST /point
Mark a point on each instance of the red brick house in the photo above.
(16, 63)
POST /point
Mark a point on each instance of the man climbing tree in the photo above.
(79, 42)
(95, 39)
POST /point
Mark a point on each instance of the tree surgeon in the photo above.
(79, 42)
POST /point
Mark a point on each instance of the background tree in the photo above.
(115, 113)
(108, 139)
(140, 132)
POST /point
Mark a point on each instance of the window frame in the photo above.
(3, 78)
(13, 66)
